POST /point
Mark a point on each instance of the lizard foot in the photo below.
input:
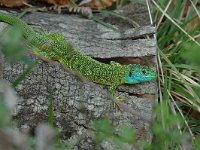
(117, 101)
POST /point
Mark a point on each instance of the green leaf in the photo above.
(4, 113)
(104, 126)
(191, 52)
(103, 129)
(12, 44)
(197, 142)
(182, 91)
(127, 134)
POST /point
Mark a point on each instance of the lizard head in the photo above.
(139, 73)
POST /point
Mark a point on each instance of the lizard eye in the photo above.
(130, 74)
(144, 72)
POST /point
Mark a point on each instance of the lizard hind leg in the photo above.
(56, 36)
(53, 36)
(53, 53)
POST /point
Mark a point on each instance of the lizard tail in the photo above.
(27, 31)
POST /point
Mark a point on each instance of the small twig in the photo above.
(195, 8)
(161, 18)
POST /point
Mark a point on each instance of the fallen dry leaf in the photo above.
(60, 2)
(93, 4)
(100, 4)
(13, 3)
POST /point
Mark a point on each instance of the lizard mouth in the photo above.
(152, 76)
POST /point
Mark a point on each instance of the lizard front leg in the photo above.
(112, 91)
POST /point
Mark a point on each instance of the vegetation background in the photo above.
(177, 122)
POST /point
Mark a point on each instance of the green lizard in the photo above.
(54, 47)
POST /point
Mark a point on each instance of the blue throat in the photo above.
(136, 78)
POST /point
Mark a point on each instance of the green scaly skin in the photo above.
(54, 47)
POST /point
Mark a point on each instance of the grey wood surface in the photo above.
(77, 102)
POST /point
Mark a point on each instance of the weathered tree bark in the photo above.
(77, 102)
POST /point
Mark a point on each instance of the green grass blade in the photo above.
(112, 13)
(108, 25)
(50, 113)
(24, 74)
